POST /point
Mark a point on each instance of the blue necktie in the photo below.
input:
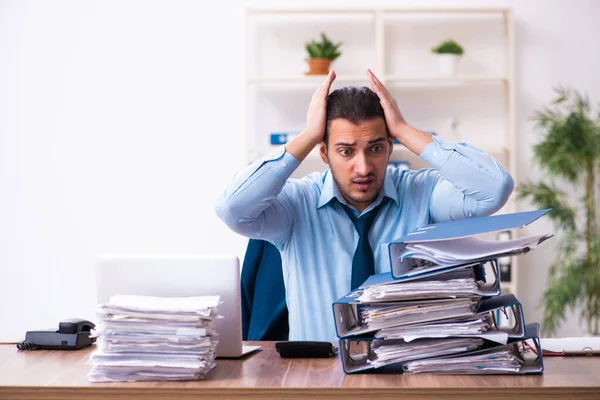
(363, 263)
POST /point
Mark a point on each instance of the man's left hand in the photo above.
(396, 123)
(412, 138)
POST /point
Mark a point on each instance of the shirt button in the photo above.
(435, 153)
(283, 164)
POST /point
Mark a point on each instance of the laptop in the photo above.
(181, 276)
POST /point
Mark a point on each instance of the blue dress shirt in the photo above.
(317, 239)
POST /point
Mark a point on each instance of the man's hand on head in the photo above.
(316, 119)
(393, 117)
(414, 139)
(317, 109)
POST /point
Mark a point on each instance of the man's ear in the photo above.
(391, 142)
(323, 153)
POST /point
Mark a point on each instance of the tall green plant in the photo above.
(569, 152)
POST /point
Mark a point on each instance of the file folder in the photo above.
(359, 353)
(412, 268)
(347, 311)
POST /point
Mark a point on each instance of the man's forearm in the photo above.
(301, 146)
(414, 139)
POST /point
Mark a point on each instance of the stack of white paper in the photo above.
(145, 338)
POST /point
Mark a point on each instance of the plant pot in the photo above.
(318, 66)
(447, 64)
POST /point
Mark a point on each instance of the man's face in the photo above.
(358, 157)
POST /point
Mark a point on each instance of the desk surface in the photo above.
(62, 374)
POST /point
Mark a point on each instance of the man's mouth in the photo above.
(363, 184)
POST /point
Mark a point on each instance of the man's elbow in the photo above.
(232, 216)
(226, 213)
(501, 193)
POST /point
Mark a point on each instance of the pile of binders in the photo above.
(145, 338)
(440, 309)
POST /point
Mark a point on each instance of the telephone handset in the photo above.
(72, 334)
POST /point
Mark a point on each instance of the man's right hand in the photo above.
(316, 119)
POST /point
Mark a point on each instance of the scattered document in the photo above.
(145, 338)
(571, 345)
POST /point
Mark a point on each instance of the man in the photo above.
(313, 221)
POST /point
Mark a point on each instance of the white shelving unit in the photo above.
(395, 44)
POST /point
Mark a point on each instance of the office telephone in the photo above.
(305, 349)
(72, 334)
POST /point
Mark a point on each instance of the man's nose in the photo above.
(363, 165)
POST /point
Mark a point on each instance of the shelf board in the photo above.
(424, 10)
(306, 79)
(313, 11)
(396, 79)
(458, 10)
(464, 79)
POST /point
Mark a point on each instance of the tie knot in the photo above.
(363, 223)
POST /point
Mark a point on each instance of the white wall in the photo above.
(121, 122)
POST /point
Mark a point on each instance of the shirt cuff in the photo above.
(284, 164)
(437, 152)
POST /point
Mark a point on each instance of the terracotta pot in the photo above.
(318, 66)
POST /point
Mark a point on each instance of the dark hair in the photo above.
(354, 104)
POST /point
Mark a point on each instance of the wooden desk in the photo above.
(264, 375)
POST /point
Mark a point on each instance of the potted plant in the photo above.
(569, 152)
(448, 53)
(321, 54)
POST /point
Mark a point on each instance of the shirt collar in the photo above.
(331, 191)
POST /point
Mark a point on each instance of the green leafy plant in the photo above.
(448, 47)
(323, 49)
(569, 152)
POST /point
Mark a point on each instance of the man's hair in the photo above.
(354, 104)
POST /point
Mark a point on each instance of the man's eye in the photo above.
(345, 152)
(377, 149)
